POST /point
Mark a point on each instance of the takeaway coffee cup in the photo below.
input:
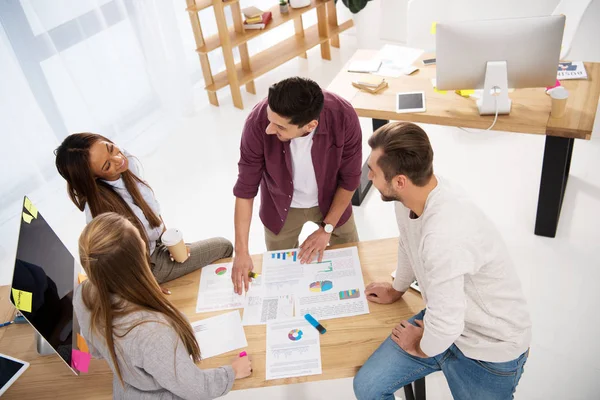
(173, 239)
(559, 97)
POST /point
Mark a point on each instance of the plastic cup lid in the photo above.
(171, 237)
(559, 93)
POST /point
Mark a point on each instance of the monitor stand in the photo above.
(495, 90)
(43, 347)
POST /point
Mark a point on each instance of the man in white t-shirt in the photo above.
(302, 146)
(476, 326)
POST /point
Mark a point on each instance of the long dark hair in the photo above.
(73, 164)
(115, 261)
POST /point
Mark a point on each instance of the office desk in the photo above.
(344, 348)
(530, 113)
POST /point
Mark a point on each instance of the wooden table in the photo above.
(530, 113)
(344, 348)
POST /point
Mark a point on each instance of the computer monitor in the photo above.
(43, 284)
(495, 55)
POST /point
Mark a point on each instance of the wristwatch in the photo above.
(328, 227)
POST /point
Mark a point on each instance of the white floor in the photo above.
(194, 171)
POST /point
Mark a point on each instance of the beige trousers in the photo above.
(297, 217)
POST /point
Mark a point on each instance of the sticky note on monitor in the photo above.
(82, 344)
(31, 208)
(22, 299)
(27, 218)
(80, 360)
(433, 28)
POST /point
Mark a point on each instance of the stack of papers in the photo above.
(279, 298)
(397, 60)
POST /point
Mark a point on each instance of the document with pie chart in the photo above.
(293, 349)
(333, 288)
(216, 290)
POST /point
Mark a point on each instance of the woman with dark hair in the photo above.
(101, 178)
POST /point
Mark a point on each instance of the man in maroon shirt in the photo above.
(303, 147)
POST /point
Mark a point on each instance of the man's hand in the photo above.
(314, 245)
(408, 337)
(382, 293)
(242, 265)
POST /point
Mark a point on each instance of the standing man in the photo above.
(476, 326)
(303, 147)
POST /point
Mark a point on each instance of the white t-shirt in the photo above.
(147, 194)
(306, 192)
(468, 281)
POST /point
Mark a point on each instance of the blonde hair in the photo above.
(114, 256)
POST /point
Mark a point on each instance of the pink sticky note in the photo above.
(80, 360)
(557, 84)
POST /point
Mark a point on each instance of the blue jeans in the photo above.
(390, 368)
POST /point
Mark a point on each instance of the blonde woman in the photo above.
(149, 345)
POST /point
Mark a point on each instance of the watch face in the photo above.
(328, 228)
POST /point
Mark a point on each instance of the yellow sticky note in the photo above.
(433, 26)
(81, 278)
(465, 92)
(27, 218)
(22, 299)
(81, 344)
(31, 208)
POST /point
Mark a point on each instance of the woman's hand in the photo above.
(189, 254)
(242, 366)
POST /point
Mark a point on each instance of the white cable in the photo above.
(493, 123)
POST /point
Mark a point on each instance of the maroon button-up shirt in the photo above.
(266, 161)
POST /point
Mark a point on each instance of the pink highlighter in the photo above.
(243, 354)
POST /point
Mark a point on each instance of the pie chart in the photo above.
(220, 271)
(295, 335)
(321, 286)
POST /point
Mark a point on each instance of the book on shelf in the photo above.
(266, 18)
(252, 12)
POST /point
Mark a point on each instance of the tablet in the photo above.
(409, 102)
(10, 370)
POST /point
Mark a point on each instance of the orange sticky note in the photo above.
(22, 299)
(433, 28)
(82, 344)
(27, 218)
(81, 278)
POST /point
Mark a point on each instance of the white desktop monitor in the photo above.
(495, 55)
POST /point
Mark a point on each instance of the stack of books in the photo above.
(256, 18)
(370, 83)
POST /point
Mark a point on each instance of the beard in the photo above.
(389, 196)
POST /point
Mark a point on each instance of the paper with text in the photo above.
(220, 334)
(293, 349)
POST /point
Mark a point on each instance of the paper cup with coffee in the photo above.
(559, 97)
(173, 239)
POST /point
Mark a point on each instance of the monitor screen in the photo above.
(43, 281)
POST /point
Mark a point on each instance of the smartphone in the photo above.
(429, 61)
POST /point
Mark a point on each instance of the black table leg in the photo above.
(365, 183)
(553, 184)
(419, 390)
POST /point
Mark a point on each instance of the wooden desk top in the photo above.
(344, 348)
(530, 111)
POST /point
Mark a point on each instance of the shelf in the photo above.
(273, 57)
(202, 4)
(278, 19)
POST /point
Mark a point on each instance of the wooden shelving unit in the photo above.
(324, 33)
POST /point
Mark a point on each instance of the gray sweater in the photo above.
(153, 360)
